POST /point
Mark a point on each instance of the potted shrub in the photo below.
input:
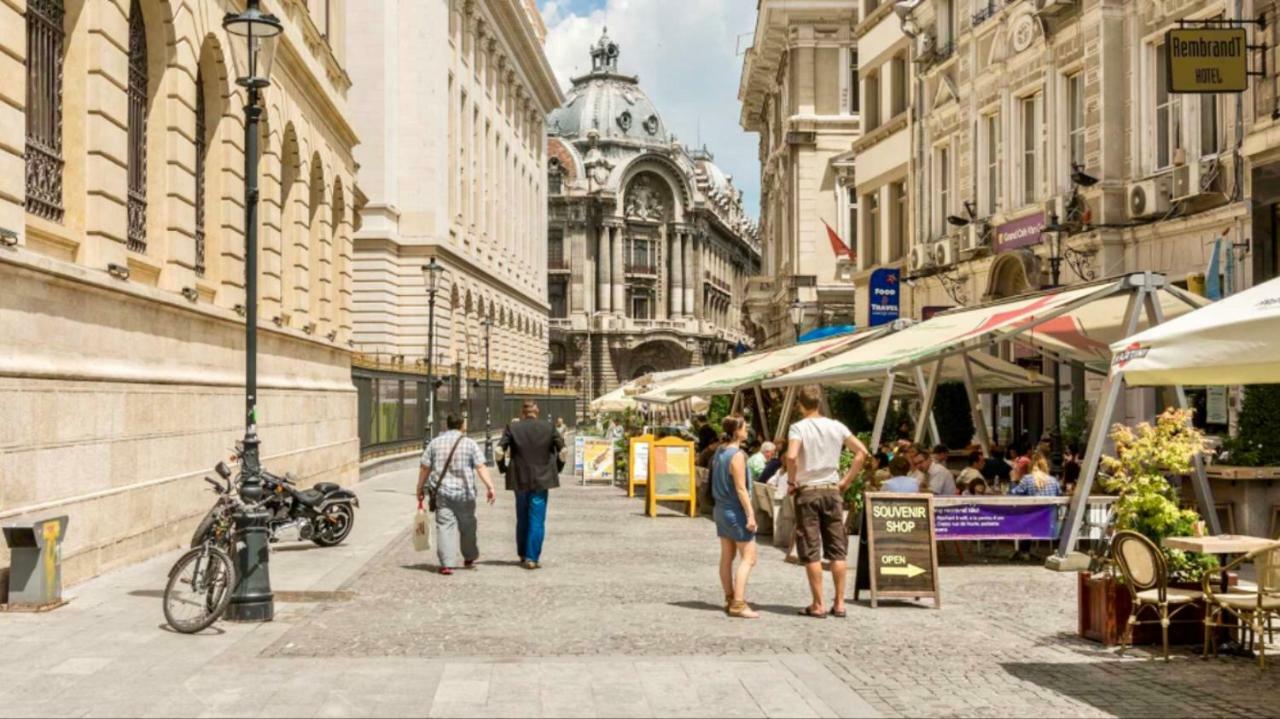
(1147, 504)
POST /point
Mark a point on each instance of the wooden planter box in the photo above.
(1105, 604)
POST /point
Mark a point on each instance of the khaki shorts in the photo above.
(820, 531)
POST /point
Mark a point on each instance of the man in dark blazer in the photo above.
(531, 452)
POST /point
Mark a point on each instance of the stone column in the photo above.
(619, 274)
(675, 298)
(686, 267)
(604, 268)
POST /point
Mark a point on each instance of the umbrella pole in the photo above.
(975, 407)
(1199, 481)
(928, 392)
(882, 412)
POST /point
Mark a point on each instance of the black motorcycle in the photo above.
(323, 514)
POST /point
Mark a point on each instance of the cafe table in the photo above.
(1222, 545)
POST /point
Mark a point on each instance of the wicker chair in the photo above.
(1147, 577)
(1253, 610)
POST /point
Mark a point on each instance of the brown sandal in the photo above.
(742, 610)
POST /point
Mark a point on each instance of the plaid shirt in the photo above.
(1031, 487)
(459, 482)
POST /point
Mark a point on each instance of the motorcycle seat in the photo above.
(310, 496)
(327, 487)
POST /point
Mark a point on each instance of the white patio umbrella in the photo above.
(1235, 340)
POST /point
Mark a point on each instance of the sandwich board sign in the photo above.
(597, 460)
(638, 466)
(672, 475)
(897, 549)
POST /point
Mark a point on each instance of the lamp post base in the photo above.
(252, 600)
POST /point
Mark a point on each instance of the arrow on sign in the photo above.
(908, 571)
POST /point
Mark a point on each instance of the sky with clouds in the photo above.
(686, 54)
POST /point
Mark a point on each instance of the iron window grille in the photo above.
(137, 192)
(44, 162)
(201, 151)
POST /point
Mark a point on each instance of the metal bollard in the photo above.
(35, 572)
(252, 600)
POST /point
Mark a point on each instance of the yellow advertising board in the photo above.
(1207, 59)
(672, 475)
(638, 467)
(597, 460)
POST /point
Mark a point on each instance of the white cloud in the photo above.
(685, 54)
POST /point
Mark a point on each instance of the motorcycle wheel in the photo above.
(333, 526)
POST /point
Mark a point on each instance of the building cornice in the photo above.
(524, 40)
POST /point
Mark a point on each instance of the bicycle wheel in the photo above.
(199, 589)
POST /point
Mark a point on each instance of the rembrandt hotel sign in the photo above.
(1207, 60)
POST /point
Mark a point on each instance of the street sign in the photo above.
(883, 291)
(638, 472)
(897, 550)
(672, 475)
(1207, 59)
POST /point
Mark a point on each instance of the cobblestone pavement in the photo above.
(618, 584)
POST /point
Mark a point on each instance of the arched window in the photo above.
(137, 237)
(45, 37)
(202, 147)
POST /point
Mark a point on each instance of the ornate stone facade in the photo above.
(648, 247)
(453, 162)
(122, 364)
(799, 92)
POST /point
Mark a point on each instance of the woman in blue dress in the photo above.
(735, 517)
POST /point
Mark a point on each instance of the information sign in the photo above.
(897, 552)
(578, 443)
(883, 289)
(1207, 59)
(639, 464)
(996, 519)
(597, 460)
(672, 476)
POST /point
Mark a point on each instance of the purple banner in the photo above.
(1022, 232)
(996, 521)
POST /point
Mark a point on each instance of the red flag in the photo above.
(837, 245)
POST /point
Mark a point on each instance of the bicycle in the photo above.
(201, 581)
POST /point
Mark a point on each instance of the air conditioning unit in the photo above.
(978, 236)
(918, 258)
(1196, 178)
(944, 253)
(1053, 7)
(1150, 197)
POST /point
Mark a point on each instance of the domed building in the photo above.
(648, 248)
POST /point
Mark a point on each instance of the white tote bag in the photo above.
(423, 527)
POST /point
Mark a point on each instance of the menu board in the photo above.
(671, 474)
(897, 550)
(597, 460)
(639, 464)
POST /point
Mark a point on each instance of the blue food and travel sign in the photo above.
(883, 296)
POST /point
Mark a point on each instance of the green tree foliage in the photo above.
(1258, 441)
(951, 410)
(720, 406)
(848, 407)
(1145, 502)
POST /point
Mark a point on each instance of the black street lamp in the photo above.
(1053, 234)
(432, 272)
(488, 403)
(253, 49)
(797, 317)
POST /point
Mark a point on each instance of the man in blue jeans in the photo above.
(531, 454)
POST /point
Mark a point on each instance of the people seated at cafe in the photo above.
(1034, 479)
(976, 487)
(901, 478)
(772, 464)
(972, 471)
(996, 469)
(758, 459)
(932, 476)
(884, 454)
(941, 455)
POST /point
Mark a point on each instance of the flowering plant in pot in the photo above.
(1146, 503)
